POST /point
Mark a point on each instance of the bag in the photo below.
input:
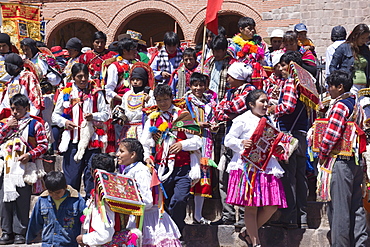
(345, 143)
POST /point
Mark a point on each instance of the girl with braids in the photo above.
(158, 230)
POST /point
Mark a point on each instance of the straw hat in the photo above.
(276, 33)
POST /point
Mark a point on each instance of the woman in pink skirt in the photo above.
(260, 191)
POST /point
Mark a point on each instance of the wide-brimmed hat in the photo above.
(136, 36)
(58, 51)
(276, 33)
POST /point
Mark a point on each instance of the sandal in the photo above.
(202, 221)
(245, 237)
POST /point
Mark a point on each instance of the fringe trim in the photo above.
(10, 196)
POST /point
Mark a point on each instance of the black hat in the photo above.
(15, 59)
(140, 73)
(5, 38)
(338, 33)
(74, 43)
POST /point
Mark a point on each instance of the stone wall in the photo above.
(320, 16)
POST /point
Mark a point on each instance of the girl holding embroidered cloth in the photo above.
(258, 189)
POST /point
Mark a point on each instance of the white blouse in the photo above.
(242, 129)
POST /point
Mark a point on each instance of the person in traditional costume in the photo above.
(158, 228)
(175, 136)
(94, 58)
(101, 226)
(23, 141)
(290, 43)
(21, 81)
(117, 83)
(346, 214)
(232, 105)
(168, 58)
(201, 106)
(74, 46)
(80, 105)
(118, 73)
(217, 66)
(56, 213)
(303, 40)
(257, 189)
(291, 114)
(138, 97)
(5, 49)
(274, 83)
(248, 47)
(47, 68)
(180, 78)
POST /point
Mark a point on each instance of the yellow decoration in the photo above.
(119, 58)
(163, 126)
(240, 41)
(67, 90)
(154, 115)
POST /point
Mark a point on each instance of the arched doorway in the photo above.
(80, 29)
(228, 20)
(152, 26)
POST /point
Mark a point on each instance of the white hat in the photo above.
(275, 57)
(240, 71)
(276, 33)
(85, 49)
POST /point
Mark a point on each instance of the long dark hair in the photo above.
(359, 30)
(77, 67)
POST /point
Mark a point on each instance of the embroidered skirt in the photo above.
(267, 190)
(204, 186)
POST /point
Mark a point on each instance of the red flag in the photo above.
(155, 180)
(213, 6)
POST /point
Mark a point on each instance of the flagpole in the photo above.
(203, 47)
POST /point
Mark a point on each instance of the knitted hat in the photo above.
(74, 43)
(141, 74)
(15, 59)
(5, 38)
(240, 71)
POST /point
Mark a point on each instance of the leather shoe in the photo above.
(222, 221)
(6, 239)
(19, 239)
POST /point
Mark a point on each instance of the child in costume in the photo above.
(201, 107)
(232, 105)
(21, 81)
(347, 216)
(167, 59)
(158, 228)
(180, 78)
(23, 141)
(80, 106)
(57, 213)
(175, 136)
(102, 226)
(133, 101)
(259, 190)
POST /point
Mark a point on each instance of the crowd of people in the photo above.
(245, 116)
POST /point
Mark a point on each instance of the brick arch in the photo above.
(141, 7)
(228, 7)
(73, 15)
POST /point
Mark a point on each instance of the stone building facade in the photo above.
(153, 18)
